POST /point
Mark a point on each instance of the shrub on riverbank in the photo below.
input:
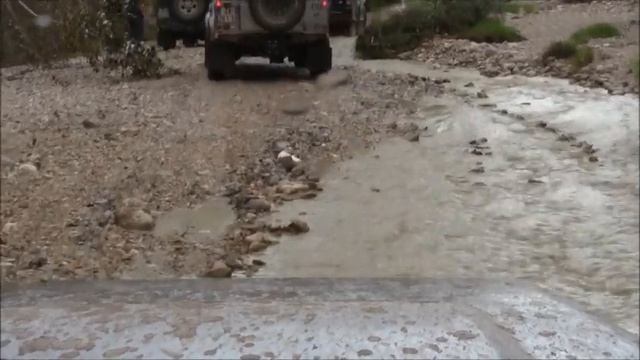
(575, 49)
(492, 31)
(41, 33)
(421, 19)
(595, 31)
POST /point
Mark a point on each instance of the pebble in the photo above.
(9, 227)
(88, 124)
(219, 270)
(482, 94)
(28, 169)
(136, 220)
(258, 205)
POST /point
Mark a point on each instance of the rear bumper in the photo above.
(180, 28)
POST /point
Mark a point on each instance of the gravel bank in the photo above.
(553, 22)
(90, 164)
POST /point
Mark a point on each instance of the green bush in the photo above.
(582, 57)
(422, 18)
(492, 31)
(398, 33)
(595, 31)
(560, 50)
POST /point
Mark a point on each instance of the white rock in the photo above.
(9, 227)
(28, 169)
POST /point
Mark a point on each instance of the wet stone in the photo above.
(441, 339)
(409, 351)
(479, 141)
(365, 352)
(464, 335)
(434, 347)
(547, 333)
(218, 270)
(374, 338)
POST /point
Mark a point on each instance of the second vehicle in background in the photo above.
(180, 20)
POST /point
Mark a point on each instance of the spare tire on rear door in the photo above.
(188, 11)
(277, 15)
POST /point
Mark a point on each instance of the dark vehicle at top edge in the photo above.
(180, 20)
(348, 15)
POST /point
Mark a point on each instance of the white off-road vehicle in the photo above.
(296, 30)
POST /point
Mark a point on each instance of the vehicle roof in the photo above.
(302, 318)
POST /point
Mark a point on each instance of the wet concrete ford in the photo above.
(302, 319)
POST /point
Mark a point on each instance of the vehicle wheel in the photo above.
(188, 10)
(219, 59)
(319, 57)
(165, 40)
(277, 15)
(189, 42)
(299, 57)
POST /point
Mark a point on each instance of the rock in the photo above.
(298, 171)
(593, 158)
(258, 246)
(464, 335)
(565, 137)
(9, 227)
(469, 84)
(88, 124)
(479, 141)
(258, 205)
(258, 241)
(219, 270)
(135, 219)
(28, 169)
(535, 181)
(258, 262)
(296, 107)
(482, 94)
(233, 261)
(413, 136)
(296, 226)
(291, 187)
(287, 161)
(476, 151)
(477, 170)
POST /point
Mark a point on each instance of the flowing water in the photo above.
(540, 210)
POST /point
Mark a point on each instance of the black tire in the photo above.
(319, 58)
(188, 11)
(299, 57)
(269, 14)
(219, 60)
(189, 42)
(165, 40)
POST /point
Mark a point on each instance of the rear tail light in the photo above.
(325, 3)
(218, 4)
